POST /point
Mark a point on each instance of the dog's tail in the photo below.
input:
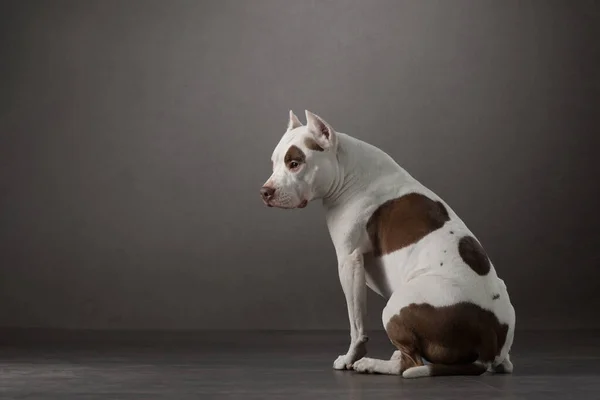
(444, 370)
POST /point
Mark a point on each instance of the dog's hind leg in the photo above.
(374, 366)
(444, 370)
(502, 364)
(393, 366)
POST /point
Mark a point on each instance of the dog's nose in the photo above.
(267, 192)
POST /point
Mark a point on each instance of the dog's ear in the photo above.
(322, 131)
(294, 122)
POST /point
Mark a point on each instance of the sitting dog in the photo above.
(447, 311)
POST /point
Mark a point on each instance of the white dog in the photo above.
(445, 303)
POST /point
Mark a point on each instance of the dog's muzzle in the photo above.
(267, 194)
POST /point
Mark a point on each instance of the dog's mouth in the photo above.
(302, 204)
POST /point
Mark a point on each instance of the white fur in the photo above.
(417, 372)
(375, 366)
(353, 178)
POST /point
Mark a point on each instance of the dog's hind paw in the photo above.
(364, 365)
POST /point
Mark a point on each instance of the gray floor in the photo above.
(282, 365)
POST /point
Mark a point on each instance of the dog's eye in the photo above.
(294, 164)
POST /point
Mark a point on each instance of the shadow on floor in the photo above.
(271, 365)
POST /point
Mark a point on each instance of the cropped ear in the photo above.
(294, 122)
(321, 130)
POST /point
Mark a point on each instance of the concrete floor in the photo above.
(269, 365)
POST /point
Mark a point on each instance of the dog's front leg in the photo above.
(352, 277)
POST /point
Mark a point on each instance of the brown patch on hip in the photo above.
(312, 144)
(474, 255)
(403, 221)
(452, 335)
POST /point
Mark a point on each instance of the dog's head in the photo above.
(304, 163)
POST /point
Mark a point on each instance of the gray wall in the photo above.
(135, 136)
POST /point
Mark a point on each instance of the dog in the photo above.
(447, 311)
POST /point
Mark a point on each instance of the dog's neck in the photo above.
(359, 166)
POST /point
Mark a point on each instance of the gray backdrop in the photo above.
(135, 136)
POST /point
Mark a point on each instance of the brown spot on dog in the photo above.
(474, 255)
(403, 221)
(405, 340)
(294, 154)
(459, 334)
(496, 296)
(312, 144)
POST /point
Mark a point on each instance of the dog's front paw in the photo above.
(364, 365)
(357, 350)
(343, 362)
